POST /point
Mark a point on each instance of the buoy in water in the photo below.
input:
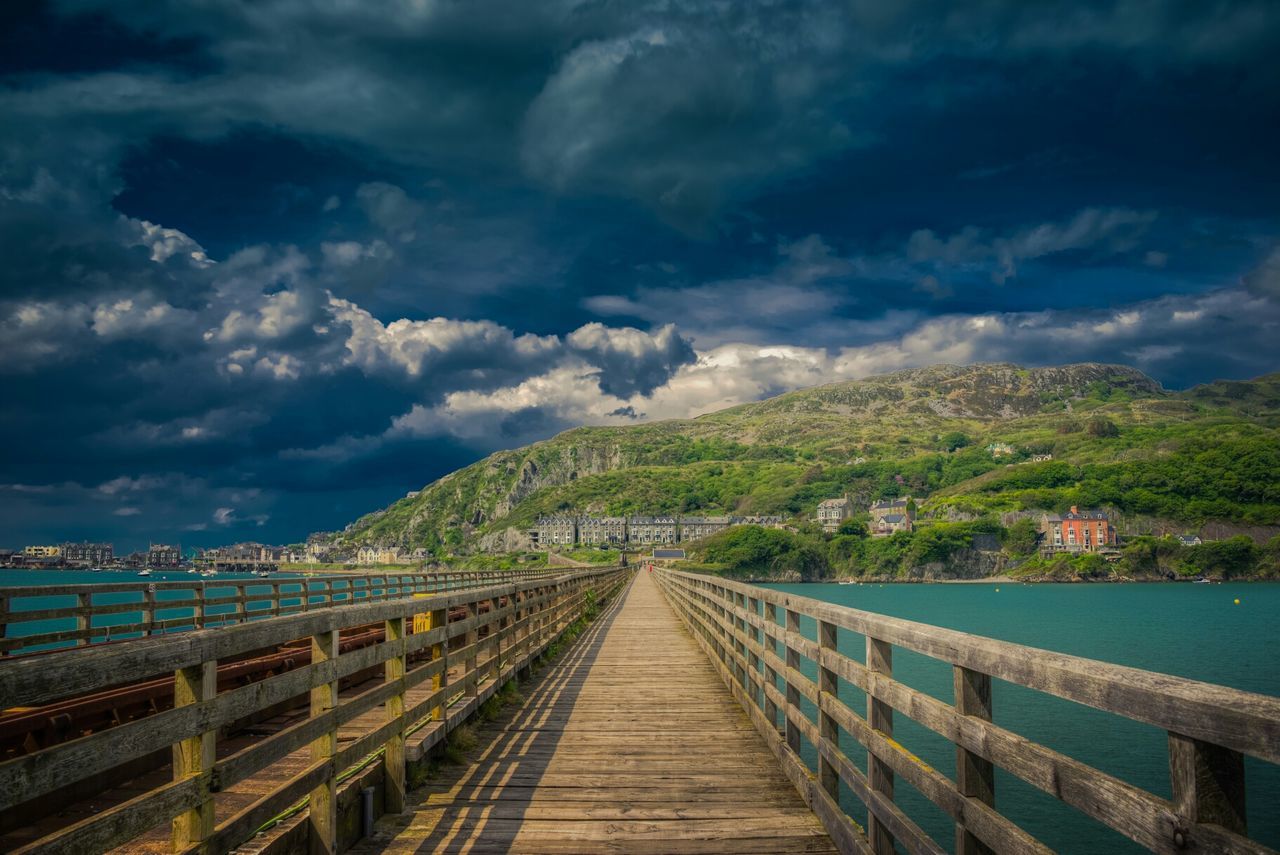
(997, 590)
(1237, 601)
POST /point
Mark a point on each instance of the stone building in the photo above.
(554, 531)
(767, 521)
(378, 555)
(696, 528)
(647, 530)
(890, 516)
(832, 512)
(888, 524)
(163, 555)
(602, 531)
(87, 554)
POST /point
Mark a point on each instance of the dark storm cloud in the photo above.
(284, 260)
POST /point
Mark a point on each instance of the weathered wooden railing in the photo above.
(754, 637)
(484, 650)
(183, 605)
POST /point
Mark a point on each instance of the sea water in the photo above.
(170, 604)
(1195, 631)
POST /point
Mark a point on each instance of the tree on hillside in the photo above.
(1021, 537)
(1101, 426)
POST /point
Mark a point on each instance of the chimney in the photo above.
(1074, 509)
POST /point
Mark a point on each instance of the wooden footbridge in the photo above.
(693, 714)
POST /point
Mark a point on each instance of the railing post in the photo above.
(754, 608)
(470, 640)
(1208, 785)
(242, 604)
(827, 727)
(4, 624)
(195, 755)
(879, 717)
(793, 693)
(149, 610)
(198, 619)
(393, 757)
(439, 618)
(323, 813)
(84, 618)
(771, 673)
(975, 777)
(739, 640)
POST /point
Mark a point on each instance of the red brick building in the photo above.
(1077, 531)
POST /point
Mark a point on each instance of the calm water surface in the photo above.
(1194, 631)
(215, 586)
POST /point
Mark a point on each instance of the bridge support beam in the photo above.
(975, 777)
(1208, 785)
(194, 756)
(393, 758)
(323, 811)
(793, 692)
(439, 618)
(879, 717)
(828, 729)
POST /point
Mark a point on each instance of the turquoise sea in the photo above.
(214, 587)
(1194, 631)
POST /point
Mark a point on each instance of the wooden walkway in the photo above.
(631, 744)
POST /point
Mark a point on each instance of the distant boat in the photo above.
(193, 570)
(1203, 582)
(848, 582)
(144, 572)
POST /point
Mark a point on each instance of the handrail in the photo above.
(1210, 728)
(182, 605)
(487, 647)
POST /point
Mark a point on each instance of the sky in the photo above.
(265, 267)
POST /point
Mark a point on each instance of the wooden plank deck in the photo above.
(630, 744)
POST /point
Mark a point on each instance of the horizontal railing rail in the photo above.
(754, 637)
(504, 628)
(84, 613)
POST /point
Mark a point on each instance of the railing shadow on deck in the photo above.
(515, 762)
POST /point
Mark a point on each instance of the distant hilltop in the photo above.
(965, 441)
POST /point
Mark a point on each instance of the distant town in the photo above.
(1077, 531)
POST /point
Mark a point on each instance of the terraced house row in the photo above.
(569, 530)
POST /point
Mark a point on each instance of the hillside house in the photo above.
(765, 521)
(832, 512)
(696, 528)
(602, 531)
(1190, 539)
(889, 524)
(554, 531)
(1000, 449)
(890, 516)
(378, 555)
(661, 529)
(1076, 531)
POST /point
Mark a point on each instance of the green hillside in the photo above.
(1210, 455)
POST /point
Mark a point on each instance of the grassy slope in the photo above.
(785, 454)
